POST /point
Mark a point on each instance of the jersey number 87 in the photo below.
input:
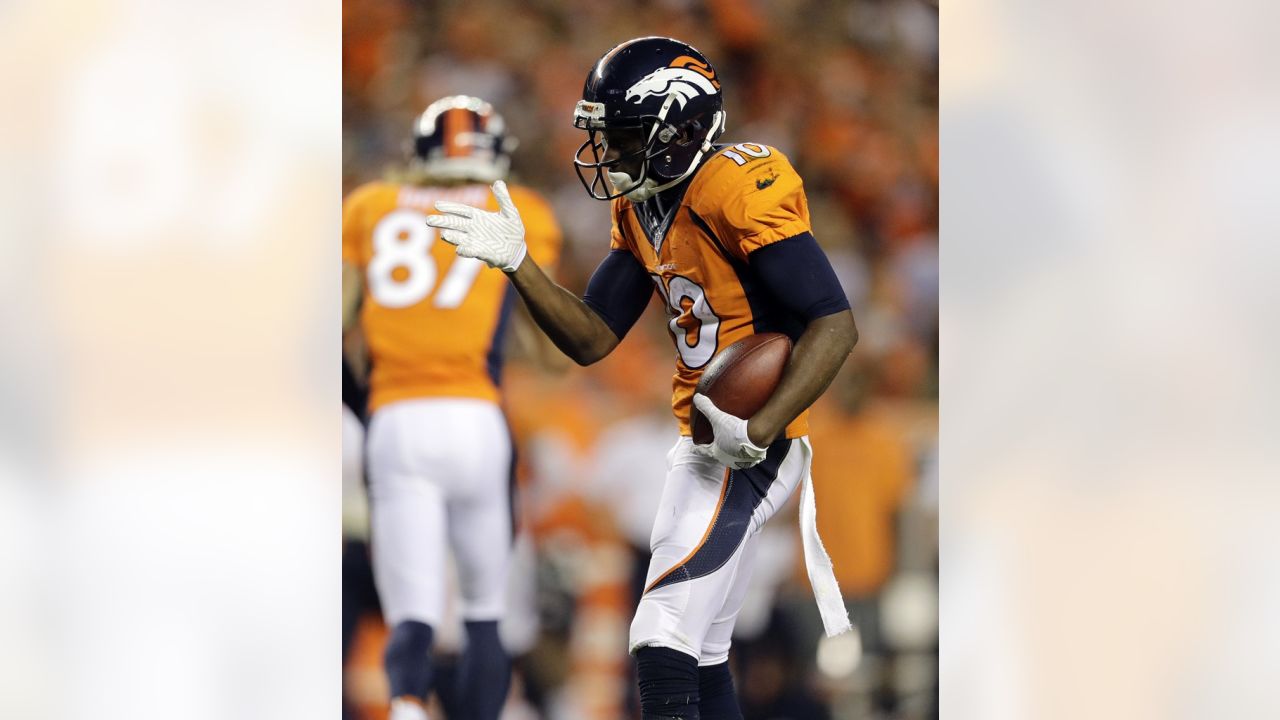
(403, 239)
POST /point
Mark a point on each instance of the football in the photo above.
(741, 378)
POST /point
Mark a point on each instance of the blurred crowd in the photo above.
(848, 91)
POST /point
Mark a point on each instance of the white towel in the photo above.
(835, 618)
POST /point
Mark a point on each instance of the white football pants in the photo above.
(703, 544)
(440, 477)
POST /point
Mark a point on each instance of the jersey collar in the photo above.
(656, 213)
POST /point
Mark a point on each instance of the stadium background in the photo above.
(848, 90)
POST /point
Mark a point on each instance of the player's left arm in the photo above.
(354, 348)
(756, 202)
(352, 294)
(797, 273)
(354, 231)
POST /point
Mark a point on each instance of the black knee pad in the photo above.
(717, 700)
(408, 659)
(668, 682)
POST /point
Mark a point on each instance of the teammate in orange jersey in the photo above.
(438, 449)
(722, 232)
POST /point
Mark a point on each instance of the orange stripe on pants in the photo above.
(724, 491)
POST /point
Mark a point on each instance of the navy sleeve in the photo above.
(797, 273)
(619, 291)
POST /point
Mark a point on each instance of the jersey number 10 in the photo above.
(749, 149)
(403, 239)
(694, 324)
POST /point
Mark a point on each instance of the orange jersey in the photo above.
(433, 321)
(743, 198)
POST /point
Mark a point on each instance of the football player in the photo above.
(721, 232)
(439, 452)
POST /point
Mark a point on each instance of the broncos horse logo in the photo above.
(686, 77)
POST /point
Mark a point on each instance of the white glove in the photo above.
(497, 238)
(731, 446)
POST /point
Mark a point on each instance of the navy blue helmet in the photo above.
(663, 90)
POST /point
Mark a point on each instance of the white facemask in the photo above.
(647, 189)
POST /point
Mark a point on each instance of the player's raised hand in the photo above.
(731, 446)
(497, 238)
